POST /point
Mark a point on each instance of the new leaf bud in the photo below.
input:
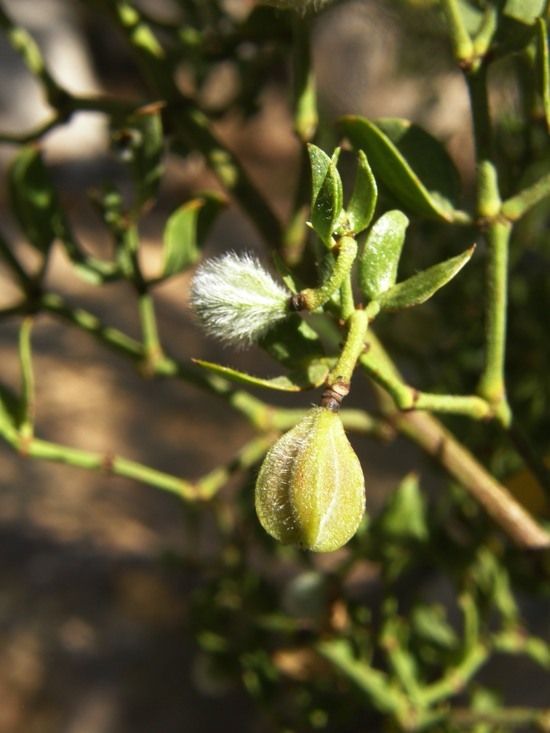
(236, 300)
(310, 491)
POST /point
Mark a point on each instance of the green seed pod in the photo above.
(310, 490)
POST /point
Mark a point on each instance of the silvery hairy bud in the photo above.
(236, 300)
(310, 491)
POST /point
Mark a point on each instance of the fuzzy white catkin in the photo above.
(236, 300)
(300, 6)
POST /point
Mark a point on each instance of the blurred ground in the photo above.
(92, 623)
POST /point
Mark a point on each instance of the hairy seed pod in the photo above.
(236, 300)
(310, 491)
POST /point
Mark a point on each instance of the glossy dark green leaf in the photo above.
(186, 231)
(309, 377)
(33, 198)
(327, 193)
(414, 166)
(381, 253)
(293, 343)
(139, 143)
(419, 288)
(361, 206)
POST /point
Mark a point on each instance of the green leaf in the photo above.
(310, 377)
(517, 25)
(543, 69)
(429, 623)
(419, 288)
(381, 253)
(327, 193)
(293, 343)
(186, 231)
(404, 515)
(34, 200)
(139, 142)
(410, 163)
(363, 200)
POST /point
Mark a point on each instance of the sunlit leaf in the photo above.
(308, 378)
(414, 166)
(381, 253)
(327, 193)
(362, 204)
(186, 231)
(420, 287)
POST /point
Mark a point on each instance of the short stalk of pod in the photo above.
(310, 491)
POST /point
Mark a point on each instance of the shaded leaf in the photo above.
(327, 193)
(186, 231)
(404, 514)
(34, 200)
(419, 288)
(363, 200)
(139, 142)
(517, 25)
(293, 343)
(310, 377)
(381, 253)
(412, 164)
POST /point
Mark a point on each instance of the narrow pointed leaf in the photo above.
(327, 193)
(419, 288)
(186, 231)
(414, 166)
(308, 378)
(361, 206)
(34, 199)
(381, 252)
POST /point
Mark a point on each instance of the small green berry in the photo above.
(310, 491)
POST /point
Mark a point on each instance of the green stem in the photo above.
(455, 680)
(354, 345)
(463, 47)
(516, 206)
(491, 385)
(305, 93)
(151, 341)
(247, 457)
(189, 125)
(370, 681)
(313, 298)
(502, 718)
(105, 462)
(27, 403)
(460, 464)
(29, 51)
